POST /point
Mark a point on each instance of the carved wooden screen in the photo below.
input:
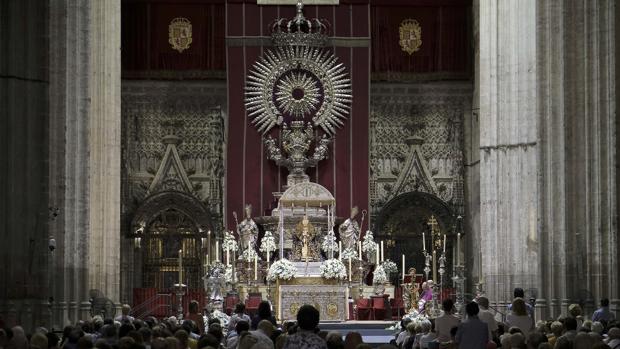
(168, 233)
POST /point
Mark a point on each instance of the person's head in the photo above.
(517, 340)
(574, 310)
(570, 324)
(126, 309)
(38, 340)
(352, 340)
(605, 302)
(183, 338)
(264, 310)
(545, 346)
(52, 340)
(173, 343)
(597, 327)
(247, 340)
(334, 340)
(124, 329)
(614, 333)
(514, 329)
(239, 308)
(102, 344)
(193, 307)
(535, 338)
(557, 328)
(160, 343)
(472, 309)
(518, 293)
(518, 307)
(404, 322)
(447, 305)
(216, 331)
(583, 341)
(308, 317)
(411, 328)
(483, 302)
(266, 327)
(85, 342)
(137, 337)
(242, 326)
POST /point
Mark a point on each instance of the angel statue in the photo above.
(350, 231)
(411, 293)
(248, 230)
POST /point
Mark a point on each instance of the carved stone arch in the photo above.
(162, 201)
(402, 220)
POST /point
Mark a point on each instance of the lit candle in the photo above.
(423, 242)
(458, 249)
(377, 252)
(180, 267)
(217, 251)
(255, 267)
(209, 247)
(359, 249)
(268, 256)
(349, 269)
(382, 255)
(403, 268)
(340, 250)
(444, 243)
(227, 257)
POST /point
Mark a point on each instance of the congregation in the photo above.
(476, 327)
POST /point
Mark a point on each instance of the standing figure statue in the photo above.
(248, 230)
(411, 293)
(350, 231)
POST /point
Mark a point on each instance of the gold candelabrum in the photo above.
(438, 242)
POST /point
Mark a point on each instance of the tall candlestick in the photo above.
(180, 267)
(377, 252)
(268, 256)
(209, 248)
(340, 250)
(217, 251)
(444, 243)
(359, 249)
(382, 255)
(458, 249)
(434, 265)
(255, 267)
(227, 257)
(403, 268)
(423, 242)
(349, 268)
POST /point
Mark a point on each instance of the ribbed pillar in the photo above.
(105, 148)
(508, 147)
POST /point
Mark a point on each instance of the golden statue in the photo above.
(411, 292)
(305, 248)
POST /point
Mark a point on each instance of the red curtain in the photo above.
(445, 43)
(144, 37)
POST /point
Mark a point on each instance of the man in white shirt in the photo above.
(445, 322)
(486, 316)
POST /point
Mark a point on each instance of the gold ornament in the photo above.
(332, 310)
(410, 35)
(180, 34)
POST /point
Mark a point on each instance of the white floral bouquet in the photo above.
(230, 243)
(369, 245)
(282, 269)
(329, 243)
(333, 269)
(228, 275)
(349, 253)
(389, 267)
(268, 243)
(248, 255)
(379, 277)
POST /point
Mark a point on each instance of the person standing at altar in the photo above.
(427, 295)
(248, 230)
(350, 231)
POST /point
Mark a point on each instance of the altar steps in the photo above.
(373, 332)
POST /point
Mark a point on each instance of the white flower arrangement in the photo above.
(349, 253)
(268, 243)
(282, 269)
(230, 243)
(379, 277)
(389, 267)
(333, 269)
(369, 245)
(329, 243)
(248, 255)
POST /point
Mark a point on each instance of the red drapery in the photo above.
(144, 37)
(445, 45)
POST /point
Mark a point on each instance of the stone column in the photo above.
(508, 147)
(105, 148)
(576, 102)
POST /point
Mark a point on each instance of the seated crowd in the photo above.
(477, 328)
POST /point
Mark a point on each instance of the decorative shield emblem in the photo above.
(180, 34)
(410, 35)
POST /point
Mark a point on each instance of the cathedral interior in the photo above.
(132, 130)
